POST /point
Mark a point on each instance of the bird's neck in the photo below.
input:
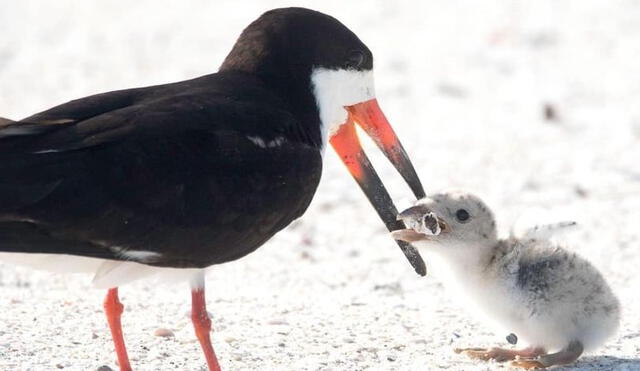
(462, 265)
(257, 53)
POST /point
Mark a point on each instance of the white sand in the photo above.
(464, 85)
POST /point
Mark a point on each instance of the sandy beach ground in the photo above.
(466, 85)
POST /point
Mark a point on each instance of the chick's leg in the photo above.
(500, 354)
(568, 355)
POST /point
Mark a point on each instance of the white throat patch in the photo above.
(335, 89)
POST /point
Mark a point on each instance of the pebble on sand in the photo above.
(163, 332)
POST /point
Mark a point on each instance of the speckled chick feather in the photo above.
(551, 298)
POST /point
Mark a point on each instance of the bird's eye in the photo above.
(462, 215)
(355, 59)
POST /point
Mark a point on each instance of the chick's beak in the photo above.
(408, 235)
(346, 143)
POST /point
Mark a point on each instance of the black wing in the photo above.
(171, 170)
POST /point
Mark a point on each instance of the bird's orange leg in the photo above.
(499, 354)
(113, 309)
(202, 323)
(567, 355)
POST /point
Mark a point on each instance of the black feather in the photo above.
(167, 169)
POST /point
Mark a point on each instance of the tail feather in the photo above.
(5, 121)
(27, 237)
(27, 177)
(14, 196)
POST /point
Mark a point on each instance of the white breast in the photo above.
(336, 89)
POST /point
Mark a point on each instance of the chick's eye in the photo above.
(462, 215)
(354, 60)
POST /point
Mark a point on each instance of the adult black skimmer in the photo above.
(200, 172)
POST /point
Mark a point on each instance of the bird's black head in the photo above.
(297, 52)
(290, 42)
(325, 74)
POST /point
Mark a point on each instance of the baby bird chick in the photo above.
(551, 298)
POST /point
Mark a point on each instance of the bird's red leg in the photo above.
(113, 309)
(202, 323)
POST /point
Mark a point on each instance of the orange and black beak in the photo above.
(345, 142)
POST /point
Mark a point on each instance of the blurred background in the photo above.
(534, 106)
